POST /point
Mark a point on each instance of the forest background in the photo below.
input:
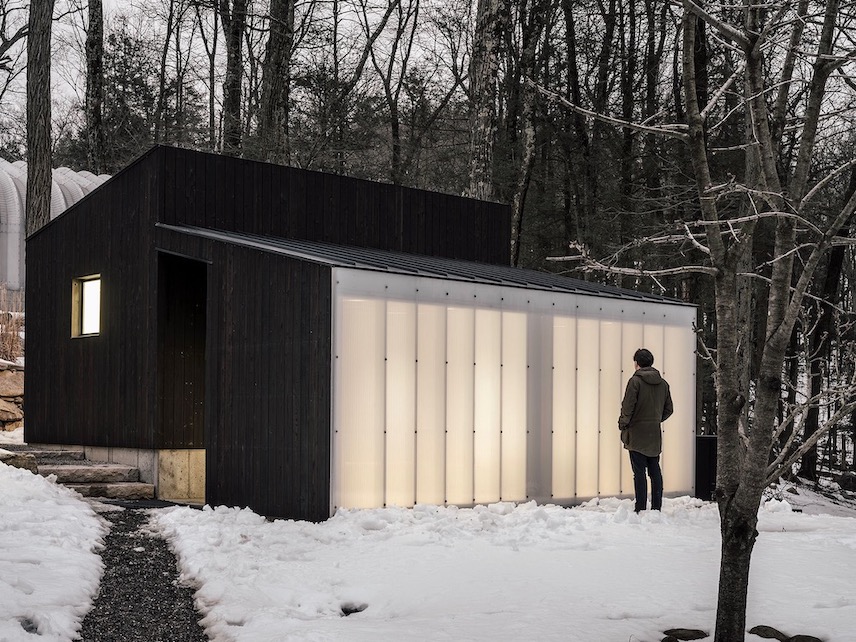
(391, 91)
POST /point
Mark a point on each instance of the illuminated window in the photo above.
(86, 306)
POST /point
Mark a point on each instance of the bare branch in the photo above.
(693, 240)
(722, 27)
(705, 354)
(8, 43)
(813, 297)
(590, 264)
(722, 89)
(673, 131)
(775, 471)
(826, 180)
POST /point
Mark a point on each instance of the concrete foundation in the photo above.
(181, 475)
(178, 475)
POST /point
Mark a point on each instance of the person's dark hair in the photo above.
(644, 358)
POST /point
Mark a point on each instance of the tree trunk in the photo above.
(536, 15)
(276, 84)
(233, 14)
(492, 18)
(159, 106)
(820, 338)
(95, 87)
(628, 136)
(38, 206)
(738, 539)
(211, 54)
(580, 154)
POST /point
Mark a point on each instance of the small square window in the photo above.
(86, 306)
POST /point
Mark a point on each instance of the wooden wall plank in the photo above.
(105, 378)
(261, 198)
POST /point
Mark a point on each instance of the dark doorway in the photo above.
(182, 307)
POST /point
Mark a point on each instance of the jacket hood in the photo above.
(649, 375)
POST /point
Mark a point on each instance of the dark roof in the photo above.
(362, 258)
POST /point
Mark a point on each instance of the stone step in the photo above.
(120, 490)
(47, 456)
(90, 473)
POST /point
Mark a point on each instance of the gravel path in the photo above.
(140, 598)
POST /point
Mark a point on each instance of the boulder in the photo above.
(10, 413)
(19, 460)
(11, 383)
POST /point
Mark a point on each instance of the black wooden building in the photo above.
(214, 329)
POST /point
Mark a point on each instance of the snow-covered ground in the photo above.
(49, 562)
(12, 436)
(503, 572)
(593, 573)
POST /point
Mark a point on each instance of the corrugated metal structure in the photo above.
(329, 342)
(67, 188)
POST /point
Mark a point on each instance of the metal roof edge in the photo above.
(273, 245)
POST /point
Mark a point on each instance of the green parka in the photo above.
(647, 402)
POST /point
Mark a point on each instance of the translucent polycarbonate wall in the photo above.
(455, 393)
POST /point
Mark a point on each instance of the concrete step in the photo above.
(90, 473)
(120, 490)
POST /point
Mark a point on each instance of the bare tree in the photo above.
(394, 72)
(95, 86)
(333, 84)
(821, 336)
(533, 14)
(210, 44)
(773, 188)
(13, 29)
(276, 84)
(38, 207)
(233, 15)
(171, 26)
(491, 25)
(744, 451)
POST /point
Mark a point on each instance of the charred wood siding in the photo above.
(268, 381)
(270, 436)
(95, 390)
(265, 418)
(238, 195)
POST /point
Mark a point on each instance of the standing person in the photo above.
(647, 402)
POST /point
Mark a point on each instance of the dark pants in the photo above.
(640, 463)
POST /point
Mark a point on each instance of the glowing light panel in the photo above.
(513, 441)
(431, 404)
(679, 430)
(610, 448)
(361, 438)
(460, 382)
(564, 407)
(588, 382)
(400, 453)
(488, 391)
